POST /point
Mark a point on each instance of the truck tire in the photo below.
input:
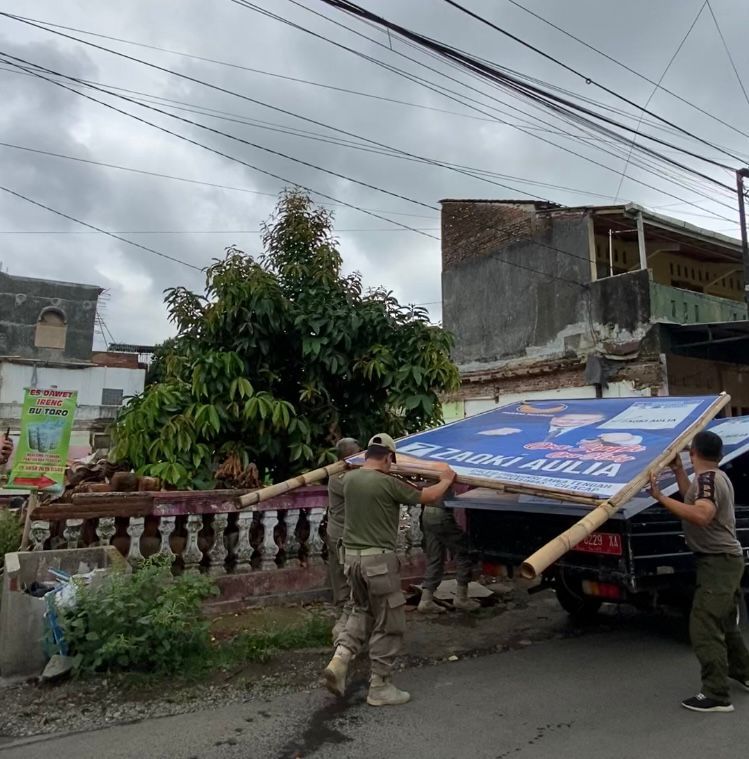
(572, 599)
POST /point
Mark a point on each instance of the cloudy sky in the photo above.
(211, 202)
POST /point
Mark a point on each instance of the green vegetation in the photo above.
(282, 356)
(145, 621)
(11, 531)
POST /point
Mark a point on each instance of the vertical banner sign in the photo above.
(46, 424)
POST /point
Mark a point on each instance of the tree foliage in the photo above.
(281, 357)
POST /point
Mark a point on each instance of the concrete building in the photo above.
(46, 340)
(588, 302)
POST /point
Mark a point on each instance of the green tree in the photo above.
(279, 358)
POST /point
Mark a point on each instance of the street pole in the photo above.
(742, 174)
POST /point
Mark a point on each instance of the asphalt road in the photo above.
(608, 695)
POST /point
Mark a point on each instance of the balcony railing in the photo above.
(672, 304)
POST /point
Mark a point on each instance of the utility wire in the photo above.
(160, 175)
(164, 129)
(98, 229)
(627, 68)
(275, 108)
(195, 142)
(727, 49)
(587, 79)
(439, 88)
(652, 94)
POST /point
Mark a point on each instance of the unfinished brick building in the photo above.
(604, 301)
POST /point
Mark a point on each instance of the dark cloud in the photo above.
(642, 34)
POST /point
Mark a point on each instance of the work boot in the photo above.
(382, 692)
(462, 601)
(427, 604)
(337, 670)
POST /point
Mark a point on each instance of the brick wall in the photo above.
(471, 229)
(120, 360)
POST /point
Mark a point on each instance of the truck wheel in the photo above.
(572, 599)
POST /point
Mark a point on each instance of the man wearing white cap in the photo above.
(373, 501)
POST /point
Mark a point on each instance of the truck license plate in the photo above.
(608, 543)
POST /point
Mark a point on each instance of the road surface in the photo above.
(605, 696)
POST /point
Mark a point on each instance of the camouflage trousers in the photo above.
(339, 584)
(713, 624)
(441, 534)
(378, 615)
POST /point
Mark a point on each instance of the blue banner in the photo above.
(593, 446)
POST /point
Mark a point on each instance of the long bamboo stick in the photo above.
(308, 478)
(570, 496)
(545, 556)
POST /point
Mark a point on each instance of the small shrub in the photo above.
(11, 532)
(146, 621)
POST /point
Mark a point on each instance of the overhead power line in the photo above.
(189, 140)
(218, 88)
(451, 94)
(727, 49)
(586, 78)
(204, 183)
(627, 68)
(99, 229)
(652, 94)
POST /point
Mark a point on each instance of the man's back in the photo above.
(373, 501)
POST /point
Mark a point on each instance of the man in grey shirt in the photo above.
(709, 522)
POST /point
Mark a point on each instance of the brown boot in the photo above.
(382, 692)
(462, 602)
(427, 604)
(336, 672)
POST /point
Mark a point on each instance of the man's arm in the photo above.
(682, 480)
(701, 514)
(435, 492)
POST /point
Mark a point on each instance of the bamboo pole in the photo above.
(546, 555)
(308, 478)
(427, 472)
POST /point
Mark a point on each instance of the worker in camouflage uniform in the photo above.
(709, 523)
(441, 534)
(334, 536)
(373, 500)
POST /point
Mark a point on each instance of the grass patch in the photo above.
(261, 645)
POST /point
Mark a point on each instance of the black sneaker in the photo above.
(701, 703)
(743, 683)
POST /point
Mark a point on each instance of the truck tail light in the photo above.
(602, 590)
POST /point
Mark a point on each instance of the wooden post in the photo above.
(31, 503)
(556, 548)
(309, 478)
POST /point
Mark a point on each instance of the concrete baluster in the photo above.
(135, 531)
(39, 534)
(72, 532)
(314, 541)
(218, 553)
(167, 525)
(105, 530)
(291, 517)
(244, 550)
(269, 549)
(192, 555)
